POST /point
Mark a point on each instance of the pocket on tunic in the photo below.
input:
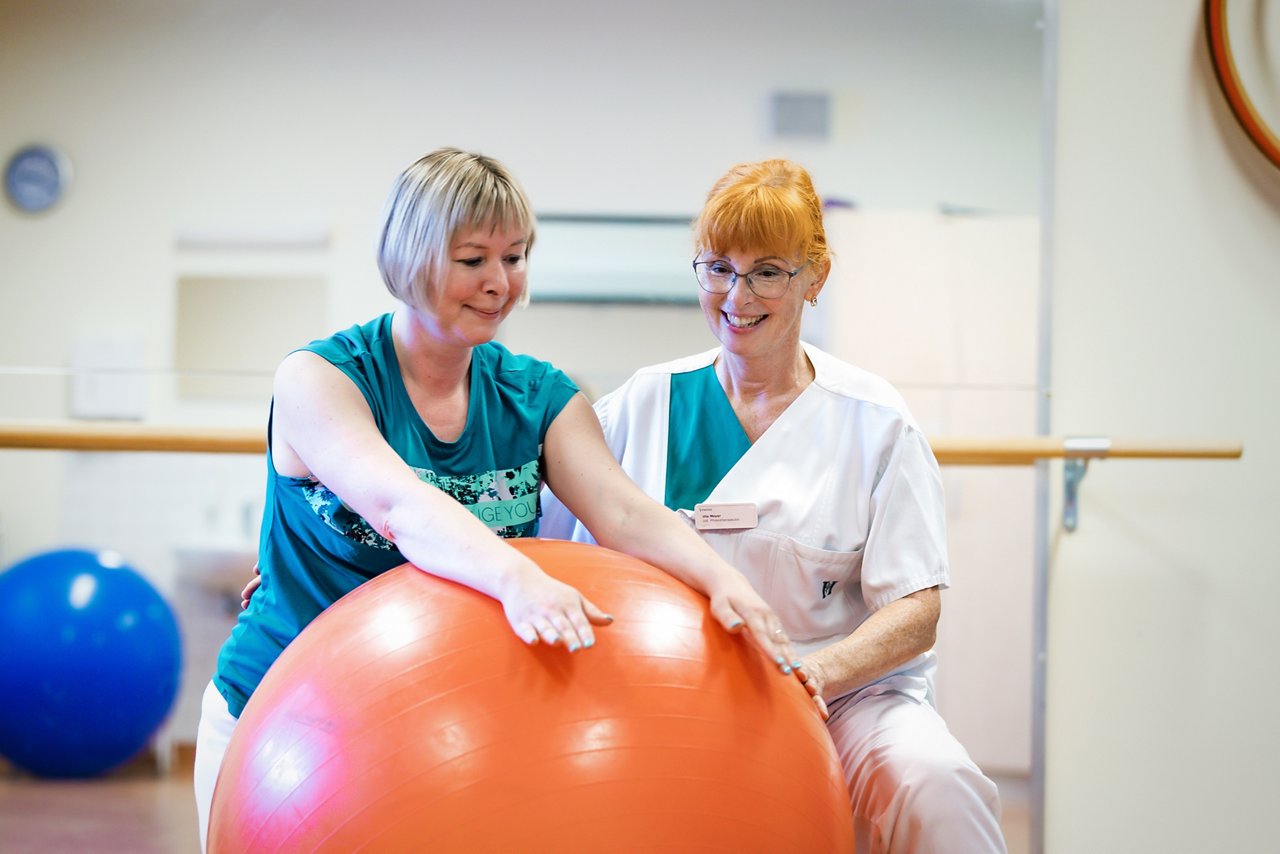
(820, 588)
(815, 592)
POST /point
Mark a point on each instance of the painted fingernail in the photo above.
(796, 665)
(735, 624)
(573, 647)
(588, 644)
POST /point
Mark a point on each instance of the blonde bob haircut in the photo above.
(771, 206)
(445, 193)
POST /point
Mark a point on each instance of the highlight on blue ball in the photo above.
(90, 659)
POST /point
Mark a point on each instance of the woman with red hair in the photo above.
(811, 477)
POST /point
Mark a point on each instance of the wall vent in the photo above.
(802, 115)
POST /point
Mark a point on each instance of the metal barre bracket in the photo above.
(1079, 450)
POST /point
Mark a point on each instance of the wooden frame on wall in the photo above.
(1234, 85)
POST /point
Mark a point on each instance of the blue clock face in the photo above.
(35, 178)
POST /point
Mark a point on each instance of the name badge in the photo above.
(730, 514)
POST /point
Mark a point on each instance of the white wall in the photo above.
(213, 116)
(1166, 306)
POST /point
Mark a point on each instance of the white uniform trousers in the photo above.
(913, 787)
(212, 738)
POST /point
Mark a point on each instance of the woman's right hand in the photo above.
(737, 606)
(541, 609)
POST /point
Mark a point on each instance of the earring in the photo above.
(813, 302)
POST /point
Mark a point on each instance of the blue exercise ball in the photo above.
(89, 663)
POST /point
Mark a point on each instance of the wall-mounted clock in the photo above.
(35, 177)
(1244, 46)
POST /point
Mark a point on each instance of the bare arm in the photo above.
(323, 429)
(891, 636)
(585, 476)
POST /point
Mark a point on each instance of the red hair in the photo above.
(769, 206)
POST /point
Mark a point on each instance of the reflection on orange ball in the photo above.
(409, 717)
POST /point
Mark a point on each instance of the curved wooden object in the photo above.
(1224, 68)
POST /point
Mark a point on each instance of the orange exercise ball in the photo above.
(408, 717)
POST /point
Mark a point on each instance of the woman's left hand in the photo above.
(254, 583)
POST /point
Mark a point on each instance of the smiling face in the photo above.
(455, 232)
(758, 214)
(754, 327)
(482, 279)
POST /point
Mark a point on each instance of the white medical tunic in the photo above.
(850, 518)
(846, 490)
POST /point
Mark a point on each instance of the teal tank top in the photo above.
(314, 549)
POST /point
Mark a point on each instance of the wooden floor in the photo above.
(137, 811)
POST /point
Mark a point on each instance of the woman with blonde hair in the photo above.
(811, 477)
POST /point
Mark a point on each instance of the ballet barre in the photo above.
(1076, 451)
(950, 450)
(131, 436)
(1027, 450)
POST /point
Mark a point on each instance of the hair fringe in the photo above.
(770, 206)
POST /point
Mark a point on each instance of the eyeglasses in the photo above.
(765, 281)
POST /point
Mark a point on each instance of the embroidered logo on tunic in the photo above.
(505, 500)
(828, 587)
